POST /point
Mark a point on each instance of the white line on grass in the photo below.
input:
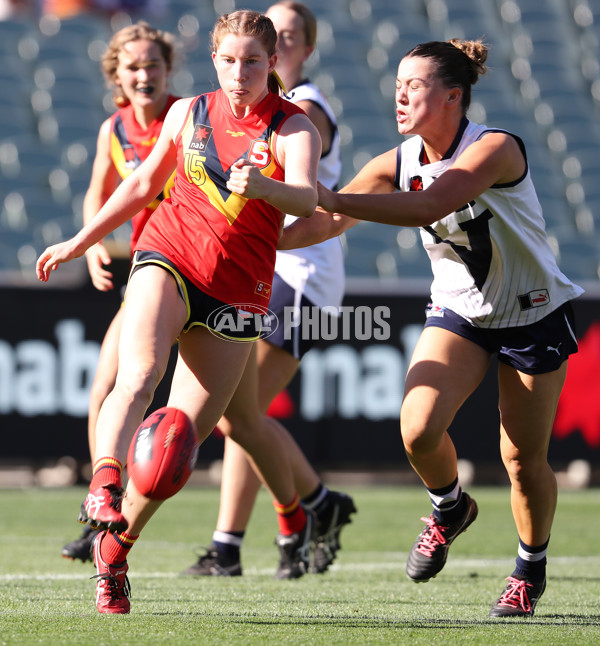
(456, 563)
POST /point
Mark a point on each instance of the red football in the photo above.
(162, 453)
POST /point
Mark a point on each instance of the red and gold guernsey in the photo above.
(223, 242)
(130, 144)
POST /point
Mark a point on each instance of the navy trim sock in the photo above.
(317, 500)
(531, 562)
(448, 502)
(228, 544)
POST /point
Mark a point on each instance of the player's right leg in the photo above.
(105, 377)
(153, 316)
(104, 382)
(436, 386)
(202, 393)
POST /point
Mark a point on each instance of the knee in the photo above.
(524, 467)
(413, 442)
(226, 427)
(418, 435)
(251, 432)
(139, 384)
(237, 427)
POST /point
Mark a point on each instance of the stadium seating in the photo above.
(543, 84)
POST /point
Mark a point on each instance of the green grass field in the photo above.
(364, 599)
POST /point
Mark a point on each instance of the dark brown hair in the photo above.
(459, 63)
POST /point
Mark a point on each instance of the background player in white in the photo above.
(307, 277)
(497, 290)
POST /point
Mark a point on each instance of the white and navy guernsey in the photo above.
(491, 260)
(317, 272)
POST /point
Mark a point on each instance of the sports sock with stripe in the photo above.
(228, 544)
(531, 562)
(107, 471)
(448, 503)
(291, 517)
(115, 547)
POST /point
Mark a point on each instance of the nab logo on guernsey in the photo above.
(242, 321)
(200, 138)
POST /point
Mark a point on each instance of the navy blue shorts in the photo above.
(288, 338)
(533, 349)
(233, 322)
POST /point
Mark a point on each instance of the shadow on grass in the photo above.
(350, 621)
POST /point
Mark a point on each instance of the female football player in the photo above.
(497, 290)
(202, 272)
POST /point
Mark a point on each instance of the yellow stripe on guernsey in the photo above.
(118, 156)
(125, 169)
(231, 206)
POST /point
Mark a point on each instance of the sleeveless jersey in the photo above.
(317, 271)
(491, 260)
(130, 144)
(223, 242)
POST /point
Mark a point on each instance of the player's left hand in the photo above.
(245, 179)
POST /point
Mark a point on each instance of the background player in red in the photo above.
(202, 270)
(136, 65)
(311, 277)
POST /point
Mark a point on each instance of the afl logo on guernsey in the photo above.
(200, 138)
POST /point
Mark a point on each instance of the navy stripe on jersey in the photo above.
(132, 159)
(213, 166)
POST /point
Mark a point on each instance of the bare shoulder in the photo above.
(500, 140)
(104, 131)
(505, 152)
(175, 117)
(296, 123)
(103, 142)
(180, 107)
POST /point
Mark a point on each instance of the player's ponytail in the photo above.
(276, 85)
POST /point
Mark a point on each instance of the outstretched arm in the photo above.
(328, 222)
(494, 159)
(132, 195)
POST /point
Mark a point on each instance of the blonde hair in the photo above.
(140, 31)
(245, 22)
(458, 63)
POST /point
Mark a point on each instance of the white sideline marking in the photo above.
(398, 565)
